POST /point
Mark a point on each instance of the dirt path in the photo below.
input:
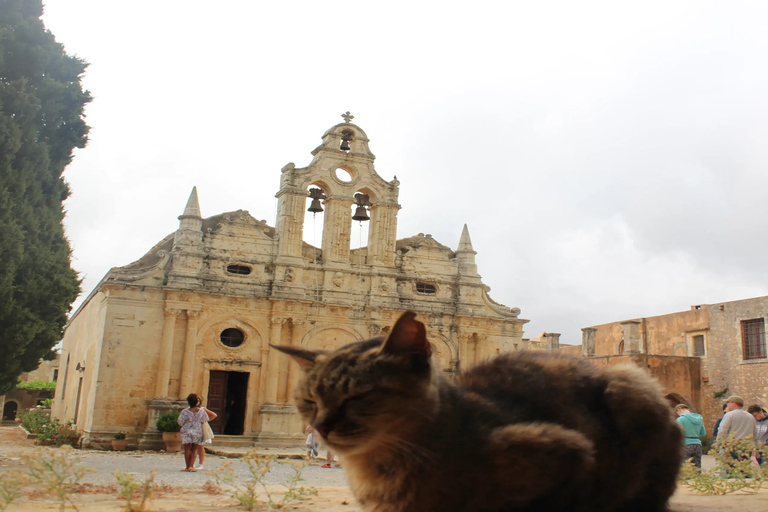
(328, 499)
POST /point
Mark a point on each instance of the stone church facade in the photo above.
(198, 312)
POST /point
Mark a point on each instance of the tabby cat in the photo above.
(526, 431)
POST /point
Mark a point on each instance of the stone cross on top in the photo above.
(347, 117)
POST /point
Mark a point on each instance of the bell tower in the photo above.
(344, 148)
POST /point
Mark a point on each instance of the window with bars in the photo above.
(698, 346)
(753, 336)
(241, 270)
(426, 288)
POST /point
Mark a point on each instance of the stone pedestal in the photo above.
(280, 426)
(151, 438)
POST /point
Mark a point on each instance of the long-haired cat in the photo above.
(526, 431)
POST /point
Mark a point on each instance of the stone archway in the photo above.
(9, 410)
(676, 398)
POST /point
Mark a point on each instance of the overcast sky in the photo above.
(610, 160)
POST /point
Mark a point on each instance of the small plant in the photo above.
(56, 470)
(11, 487)
(168, 422)
(129, 490)
(66, 434)
(46, 403)
(734, 469)
(120, 435)
(246, 491)
(33, 420)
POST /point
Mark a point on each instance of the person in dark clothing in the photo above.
(717, 423)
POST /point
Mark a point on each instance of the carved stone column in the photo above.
(166, 353)
(337, 229)
(553, 340)
(288, 367)
(588, 342)
(290, 220)
(272, 366)
(632, 343)
(188, 361)
(382, 233)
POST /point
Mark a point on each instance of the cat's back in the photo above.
(626, 427)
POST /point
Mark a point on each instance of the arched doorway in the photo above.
(9, 411)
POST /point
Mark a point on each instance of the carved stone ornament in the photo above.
(338, 279)
(289, 275)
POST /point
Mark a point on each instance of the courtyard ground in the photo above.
(180, 491)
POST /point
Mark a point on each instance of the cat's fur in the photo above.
(526, 431)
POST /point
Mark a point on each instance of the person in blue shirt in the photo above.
(693, 428)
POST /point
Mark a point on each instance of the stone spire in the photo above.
(192, 210)
(465, 254)
(465, 244)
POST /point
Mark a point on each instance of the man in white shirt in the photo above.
(738, 421)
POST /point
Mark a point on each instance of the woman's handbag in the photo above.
(207, 433)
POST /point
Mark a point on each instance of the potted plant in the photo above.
(119, 442)
(168, 424)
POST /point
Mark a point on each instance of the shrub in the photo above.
(731, 473)
(706, 443)
(47, 403)
(38, 385)
(57, 471)
(33, 420)
(246, 491)
(66, 434)
(168, 422)
(120, 435)
(131, 490)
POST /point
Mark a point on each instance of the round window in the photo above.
(232, 337)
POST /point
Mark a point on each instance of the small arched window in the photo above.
(232, 337)
(240, 270)
(426, 288)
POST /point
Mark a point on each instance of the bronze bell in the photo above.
(361, 214)
(316, 194)
(346, 138)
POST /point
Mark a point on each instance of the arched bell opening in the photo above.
(361, 219)
(314, 215)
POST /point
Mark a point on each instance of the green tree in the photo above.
(41, 121)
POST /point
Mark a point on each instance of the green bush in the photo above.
(168, 422)
(119, 435)
(40, 385)
(706, 443)
(34, 420)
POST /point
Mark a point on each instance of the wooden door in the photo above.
(217, 399)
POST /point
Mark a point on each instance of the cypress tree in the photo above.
(41, 121)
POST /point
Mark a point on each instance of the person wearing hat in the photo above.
(738, 421)
(693, 428)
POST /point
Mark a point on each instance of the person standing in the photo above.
(693, 428)
(191, 420)
(737, 421)
(201, 447)
(717, 423)
(761, 423)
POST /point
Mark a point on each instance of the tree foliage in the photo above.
(41, 122)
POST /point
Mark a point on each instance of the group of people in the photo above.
(744, 424)
(193, 421)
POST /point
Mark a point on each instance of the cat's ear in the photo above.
(408, 336)
(305, 358)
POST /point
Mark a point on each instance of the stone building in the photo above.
(18, 400)
(198, 312)
(701, 356)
